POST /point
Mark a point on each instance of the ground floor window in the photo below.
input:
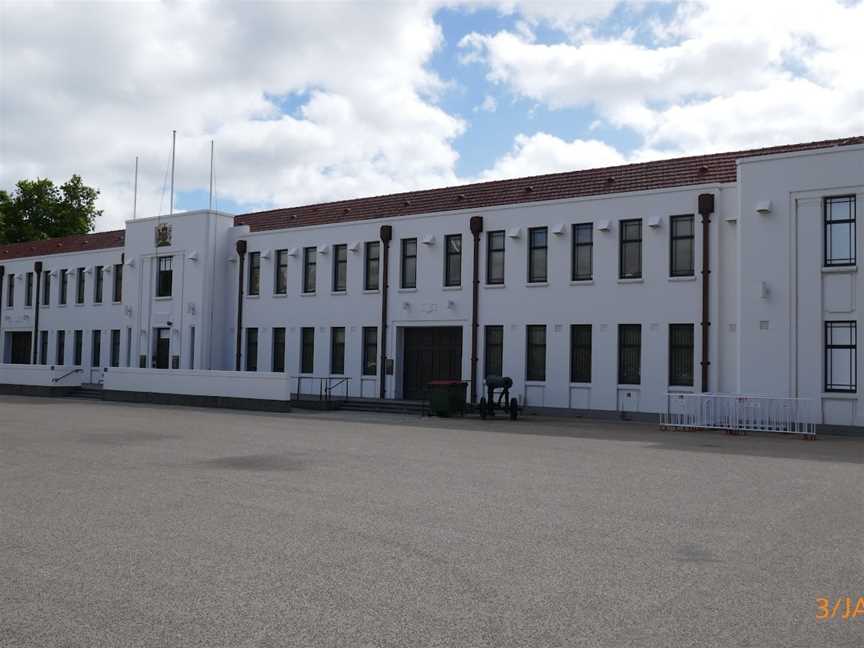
(580, 353)
(251, 349)
(536, 352)
(681, 355)
(43, 347)
(307, 350)
(278, 364)
(629, 354)
(841, 360)
(115, 347)
(493, 354)
(337, 350)
(370, 351)
(60, 351)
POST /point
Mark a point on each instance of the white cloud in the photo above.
(489, 104)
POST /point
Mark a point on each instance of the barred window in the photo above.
(370, 350)
(337, 350)
(536, 354)
(96, 349)
(629, 354)
(280, 281)
(583, 252)
(307, 350)
(409, 263)
(60, 351)
(46, 287)
(115, 347)
(495, 257)
(630, 253)
(681, 355)
(682, 240)
(453, 260)
(98, 284)
(537, 254)
(28, 289)
(371, 272)
(841, 356)
(254, 287)
(340, 268)
(165, 277)
(64, 286)
(43, 347)
(310, 280)
(118, 283)
(78, 350)
(251, 349)
(580, 353)
(278, 361)
(840, 244)
(10, 290)
(493, 355)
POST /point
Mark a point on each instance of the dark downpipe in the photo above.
(386, 234)
(2, 283)
(241, 252)
(37, 271)
(706, 208)
(476, 224)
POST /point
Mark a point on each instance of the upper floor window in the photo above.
(98, 283)
(280, 281)
(10, 290)
(495, 257)
(79, 286)
(630, 252)
(46, 287)
(409, 263)
(682, 239)
(254, 287)
(309, 270)
(453, 260)
(582, 266)
(537, 254)
(64, 286)
(841, 356)
(28, 289)
(340, 268)
(164, 276)
(117, 295)
(681, 354)
(371, 271)
(840, 246)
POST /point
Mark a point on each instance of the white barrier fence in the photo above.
(739, 413)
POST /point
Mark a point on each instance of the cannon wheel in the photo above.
(514, 409)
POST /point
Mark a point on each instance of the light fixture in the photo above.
(559, 229)
(323, 249)
(514, 232)
(603, 226)
(763, 207)
(655, 221)
(193, 255)
(428, 239)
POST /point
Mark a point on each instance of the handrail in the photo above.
(68, 373)
(325, 385)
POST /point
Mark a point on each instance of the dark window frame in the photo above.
(404, 259)
(280, 273)
(10, 290)
(78, 348)
(340, 268)
(625, 243)
(277, 350)
(682, 350)
(253, 281)
(371, 278)
(535, 370)
(627, 375)
(164, 276)
(43, 347)
(114, 359)
(64, 287)
(251, 345)
(370, 351)
(79, 286)
(60, 349)
(452, 276)
(337, 351)
(492, 253)
(673, 250)
(493, 350)
(828, 260)
(28, 289)
(46, 287)
(117, 284)
(96, 348)
(310, 270)
(307, 368)
(535, 248)
(98, 283)
(580, 353)
(580, 248)
(852, 386)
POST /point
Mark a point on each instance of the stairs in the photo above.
(384, 406)
(91, 391)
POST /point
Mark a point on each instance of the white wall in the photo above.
(267, 386)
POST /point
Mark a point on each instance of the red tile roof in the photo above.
(75, 243)
(677, 172)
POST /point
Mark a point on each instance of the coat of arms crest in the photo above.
(163, 235)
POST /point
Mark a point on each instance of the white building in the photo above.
(594, 290)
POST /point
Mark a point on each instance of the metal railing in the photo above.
(326, 386)
(740, 413)
(68, 373)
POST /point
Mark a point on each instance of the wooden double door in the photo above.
(431, 353)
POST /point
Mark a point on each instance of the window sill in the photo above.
(247, 296)
(371, 292)
(407, 290)
(635, 280)
(535, 383)
(633, 387)
(839, 269)
(581, 384)
(280, 295)
(494, 286)
(536, 284)
(309, 294)
(681, 389)
(166, 298)
(451, 287)
(582, 282)
(339, 293)
(840, 395)
(685, 278)
(116, 303)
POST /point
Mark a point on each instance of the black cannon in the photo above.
(502, 400)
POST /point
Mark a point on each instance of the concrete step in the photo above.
(384, 406)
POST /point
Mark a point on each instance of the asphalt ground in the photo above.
(135, 525)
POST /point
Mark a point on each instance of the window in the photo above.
(79, 286)
(537, 254)
(78, 349)
(10, 290)
(96, 349)
(495, 258)
(280, 282)
(309, 279)
(46, 287)
(841, 357)
(278, 363)
(340, 268)
(580, 353)
(115, 348)
(165, 277)
(191, 347)
(64, 286)
(629, 354)
(493, 353)
(371, 271)
(370, 351)
(99, 280)
(536, 356)
(582, 265)
(251, 349)
(117, 294)
(307, 350)
(60, 351)
(840, 246)
(337, 350)
(254, 287)
(682, 237)
(43, 347)
(28, 289)
(681, 355)
(409, 263)
(453, 260)
(630, 253)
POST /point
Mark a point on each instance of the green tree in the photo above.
(37, 209)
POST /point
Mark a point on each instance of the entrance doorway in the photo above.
(20, 347)
(161, 348)
(431, 353)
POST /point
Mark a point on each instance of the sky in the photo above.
(316, 101)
